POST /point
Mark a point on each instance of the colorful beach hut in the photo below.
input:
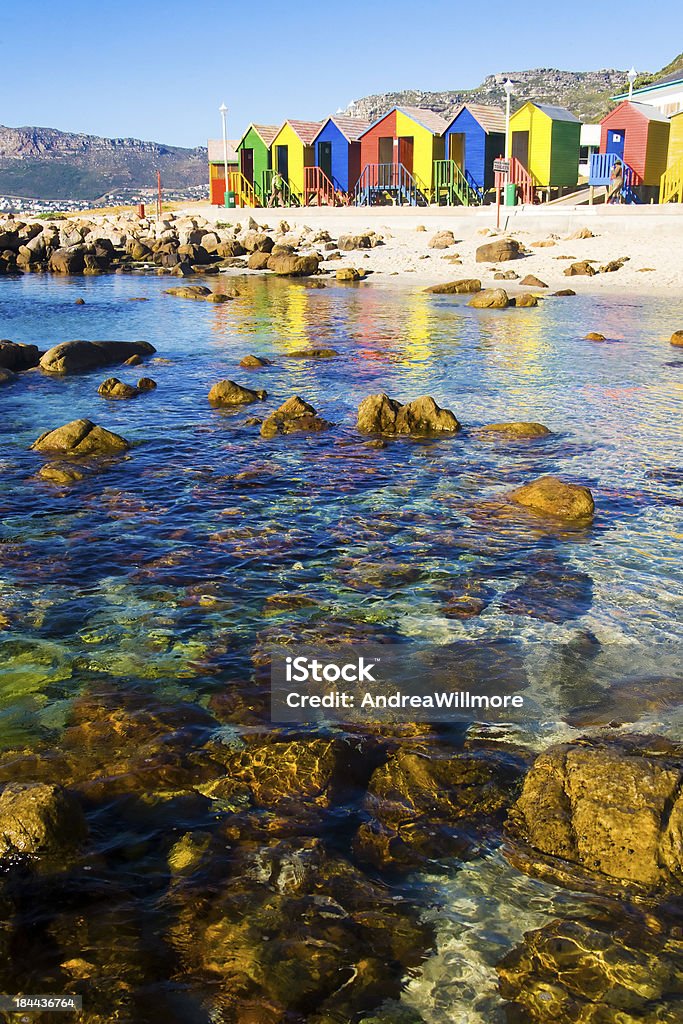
(638, 135)
(253, 150)
(338, 151)
(671, 188)
(217, 184)
(472, 141)
(546, 140)
(397, 156)
(292, 150)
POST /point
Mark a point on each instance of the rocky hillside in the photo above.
(44, 163)
(585, 93)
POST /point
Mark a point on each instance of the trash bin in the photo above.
(230, 200)
(510, 194)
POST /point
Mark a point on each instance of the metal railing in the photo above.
(600, 173)
(450, 183)
(290, 195)
(318, 189)
(389, 181)
(243, 189)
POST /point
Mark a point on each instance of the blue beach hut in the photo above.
(337, 150)
(473, 140)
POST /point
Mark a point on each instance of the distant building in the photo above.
(666, 94)
(217, 185)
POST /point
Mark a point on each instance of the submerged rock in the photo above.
(600, 810)
(461, 287)
(6, 376)
(37, 819)
(81, 437)
(513, 430)
(379, 414)
(227, 392)
(254, 362)
(551, 496)
(60, 473)
(188, 291)
(314, 353)
(112, 387)
(79, 356)
(292, 417)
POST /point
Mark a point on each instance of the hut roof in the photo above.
(651, 113)
(429, 119)
(492, 119)
(351, 127)
(306, 130)
(557, 113)
(266, 133)
(216, 155)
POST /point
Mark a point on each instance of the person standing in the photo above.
(276, 187)
(616, 183)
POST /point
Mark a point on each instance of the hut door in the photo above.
(282, 161)
(385, 151)
(247, 164)
(520, 148)
(615, 143)
(405, 152)
(456, 149)
(325, 158)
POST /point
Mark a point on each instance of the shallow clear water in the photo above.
(155, 576)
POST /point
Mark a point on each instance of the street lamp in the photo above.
(632, 75)
(223, 110)
(508, 93)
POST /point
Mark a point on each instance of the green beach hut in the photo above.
(254, 154)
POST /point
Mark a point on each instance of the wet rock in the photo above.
(227, 392)
(69, 260)
(218, 297)
(314, 353)
(134, 360)
(491, 298)
(500, 251)
(79, 356)
(258, 261)
(379, 414)
(531, 281)
(512, 431)
(442, 240)
(604, 972)
(525, 300)
(602, 811)
(188, 291)
(551, 496)
(79, 302)
(61, 473)
(112, 387)
(146, 384)
(293, 266)
(350, 274)
(348, 242)
(677, 338)
(426, 805)
(257, 241)
(81, 437)
(556, 594)
(254, 362)
(580, 269)
(38, 820)
(17, 356)
(292, 417)
(564, 291)
(594, 336)
(6, 376)
(462, 287)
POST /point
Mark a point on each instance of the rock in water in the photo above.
(293, 266)
(603, 809)
(188, 291)
(314, 353)
(677, 338)
(112, 387)
(499, 251)
(79, 356)
(227, 392)
(293, 416)
(525, 300)
(37, 819)
(514, 430)
(254, 362)
(146, 384)
(550, 496)
(379, 414)
(81, 437)
(462, 287)
(491, 298)
(350, 274)
(594, 336)
(258, 260)
(6, 376)
(17, 356)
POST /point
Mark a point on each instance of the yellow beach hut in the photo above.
(546, 140)
(397, 156)
(671, 189)
(292, 151)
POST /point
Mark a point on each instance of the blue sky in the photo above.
(159, 71)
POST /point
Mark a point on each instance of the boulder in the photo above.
(217, 297)
(188, 291)
(257, 241)
(292, 417)
(676, 338)
(349, 274)
(564, 291)
(442, 240)
(67, 261)
(146, 384)
(613, 265)
(61, 473)
(515, 430)
(227, 392)
(7, 376)
(80, 437)
(462, 287)
(258, 260)
(490, 298)
(112, 387)
(294, 266)
(531, 281)
(38, 820)
(553, 497)
(18, 356)
(254, 362)
(230, 248)
(348, 242)
(603, 810)
(580, 269)
(506, 275)
(500, 251)
(133, 360)
(79, 356)
(594, 336)
(525, 299)
(379, 414)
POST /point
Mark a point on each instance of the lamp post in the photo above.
(632, 75)
(508, 93)
(223, 110)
